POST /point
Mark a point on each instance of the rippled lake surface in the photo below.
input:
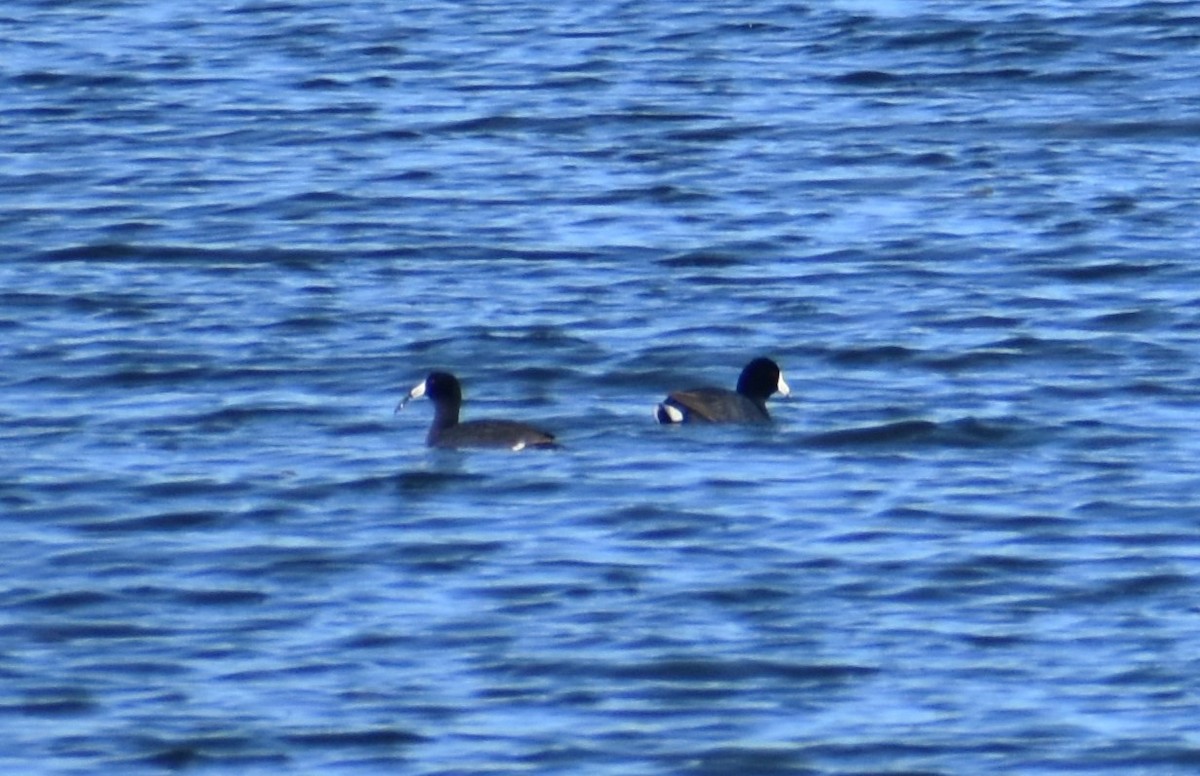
(235, 233)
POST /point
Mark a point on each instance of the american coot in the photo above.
(748, 404)
(445, 392)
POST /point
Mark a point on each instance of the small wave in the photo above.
(66, 600)
(705, 259)
(871, 355)
(52, 702)
(225, 752)
(868, 78)
(424, 481)
(701, 670)
(966, 432)
(207, 257)
(354, 738)
(166, 521)
(888, 433)
(1102, 271)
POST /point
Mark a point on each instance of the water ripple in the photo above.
(236, 237)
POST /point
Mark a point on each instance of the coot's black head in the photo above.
(761, 378)
(442, 388)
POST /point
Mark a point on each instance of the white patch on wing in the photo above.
(673, 414)
(520, 445)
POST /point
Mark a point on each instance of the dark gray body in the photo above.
(508, 434)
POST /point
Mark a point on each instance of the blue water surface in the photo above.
(235, 233)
